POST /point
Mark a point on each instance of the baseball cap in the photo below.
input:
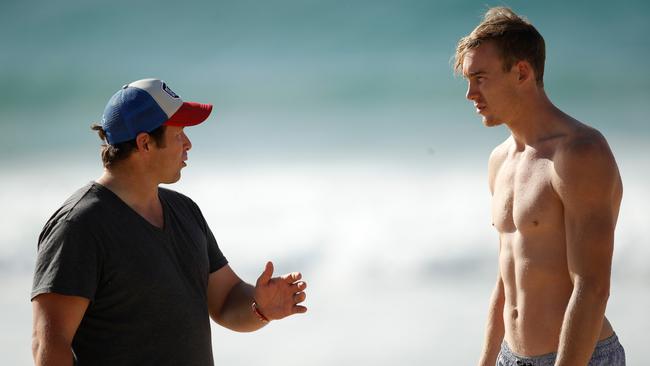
(143, 106)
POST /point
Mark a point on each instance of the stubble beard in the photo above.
(491, 121)
(172, 180)
(172, 177)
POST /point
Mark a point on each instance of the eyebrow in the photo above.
(476, 73)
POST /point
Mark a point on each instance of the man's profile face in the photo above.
(489, 87)
(171, 156)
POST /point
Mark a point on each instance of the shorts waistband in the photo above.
(542, 360)
(603, 347)
(607, 345)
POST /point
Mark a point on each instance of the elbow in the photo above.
(600, 289)
(37, 348)
(214, 318)
(596, 289)
(221, 317)
(49, 349)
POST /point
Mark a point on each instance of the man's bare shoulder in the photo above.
(583, 137)
(500, 152)
(584, 162)
(497, 157)
(585, 148)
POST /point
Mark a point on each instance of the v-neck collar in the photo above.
(121, 202)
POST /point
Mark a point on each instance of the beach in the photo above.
(400, 265)
(340, 145)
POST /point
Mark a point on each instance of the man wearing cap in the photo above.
(129, 273)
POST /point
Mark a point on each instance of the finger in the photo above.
(292, 277)
(299, 297)
(266, 275)
(299, 286)
(299, 309)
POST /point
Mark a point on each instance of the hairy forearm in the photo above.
(494, 329)
(583, 321)
(236, 313)
(51, 352)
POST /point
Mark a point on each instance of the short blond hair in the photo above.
(515, 38)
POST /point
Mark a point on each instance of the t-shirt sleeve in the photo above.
(216, 257)
(68, 262)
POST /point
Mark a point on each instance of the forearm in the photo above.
(583, 321)
(494, 330)
(493, 338)
(51, 352)
(237, 313)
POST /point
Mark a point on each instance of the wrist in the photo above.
(258, 314)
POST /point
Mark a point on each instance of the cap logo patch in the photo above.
(169, 91)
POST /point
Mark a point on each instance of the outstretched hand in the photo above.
(278, 297)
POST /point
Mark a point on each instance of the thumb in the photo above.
(265, 277)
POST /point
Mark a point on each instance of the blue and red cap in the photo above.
(143, 106)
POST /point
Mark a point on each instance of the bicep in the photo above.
(220, 283)
(497, 157)
(589, 240)
(588, 184)
(57, 317)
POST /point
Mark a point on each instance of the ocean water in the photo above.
(340, 146)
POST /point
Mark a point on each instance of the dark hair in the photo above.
(114, 153)
(515, 38)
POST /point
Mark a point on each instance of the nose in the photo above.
(472, 92)
(187, 144)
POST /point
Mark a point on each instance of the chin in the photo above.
(491, 122)
(172, 180)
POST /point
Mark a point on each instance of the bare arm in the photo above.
(230, 299)
(494, 329)
(589, 185)
(55, 322)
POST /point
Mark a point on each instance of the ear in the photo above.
(524, 72)
(143, 141)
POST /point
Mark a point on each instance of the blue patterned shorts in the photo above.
(608, 352)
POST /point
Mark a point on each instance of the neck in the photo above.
(134, 188)
(535, 120)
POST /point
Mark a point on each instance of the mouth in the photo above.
(480, 107)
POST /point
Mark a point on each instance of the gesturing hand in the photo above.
(278, 297)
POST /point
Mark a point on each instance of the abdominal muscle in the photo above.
(537, 289)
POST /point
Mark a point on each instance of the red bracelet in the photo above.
(258, 313)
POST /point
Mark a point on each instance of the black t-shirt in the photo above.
(147, 286)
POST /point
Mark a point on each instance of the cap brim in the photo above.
(190, 114)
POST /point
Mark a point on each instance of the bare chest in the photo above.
(524, 199)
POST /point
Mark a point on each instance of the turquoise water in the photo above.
(341, 145)
(304, 78)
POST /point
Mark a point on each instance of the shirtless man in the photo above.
(556, 193)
